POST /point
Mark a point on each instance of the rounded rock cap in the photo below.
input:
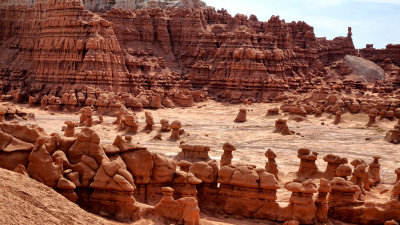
(184, 163)
(68, 123)
(164, 121)
(357, 162)
(176, 124)
(167, 189)
(343, 170)
(376, 157)
(332, 158)
(228, 147)
(270, 154)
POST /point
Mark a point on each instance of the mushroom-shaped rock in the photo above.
(307, 168)
(175, 126)
(165, 125)
(360, 175)
(70, 130)
(149, 120)
(226, 158)
(270, 154)
(302, 201)
(333, 162)
(374, 170)
(343, 191)
(271, 166)
(322, 202)
(228, 147)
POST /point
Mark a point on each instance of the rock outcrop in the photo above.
(366, 69)
(109, 179)
(153, 55)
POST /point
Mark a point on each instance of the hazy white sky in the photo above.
(373, 21)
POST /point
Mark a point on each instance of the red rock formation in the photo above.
(271, 166)
(109, 178)
(226, 158)
(165, 125)
(155, 53)
(273, 112)
(307, 168)
(241, 116)
(193, 153)
(391, 52)
(175, 128)
(282, 127)
(301, 201)
(334, 162)
(394, 135)
(183, 210)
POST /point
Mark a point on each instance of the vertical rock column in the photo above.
(271, 166)
(226, 158)
(322, 201)
(307, 168)
(301, 201)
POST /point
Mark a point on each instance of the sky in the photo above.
(373, 21)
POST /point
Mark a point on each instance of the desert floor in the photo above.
(211, 123)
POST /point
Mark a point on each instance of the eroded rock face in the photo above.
(364, 68)
(182, 210)
(282, 128)
(234, 57)
(109, 178)
(241, 117)
(226, 158)
(394, 135)
(193, 153)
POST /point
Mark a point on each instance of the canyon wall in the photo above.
(51, 47)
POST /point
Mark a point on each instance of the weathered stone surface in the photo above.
(364, 68)
(98, 50)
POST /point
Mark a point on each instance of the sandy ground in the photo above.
(211, 123)
(26, 201)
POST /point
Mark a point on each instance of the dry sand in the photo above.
(211, 123)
